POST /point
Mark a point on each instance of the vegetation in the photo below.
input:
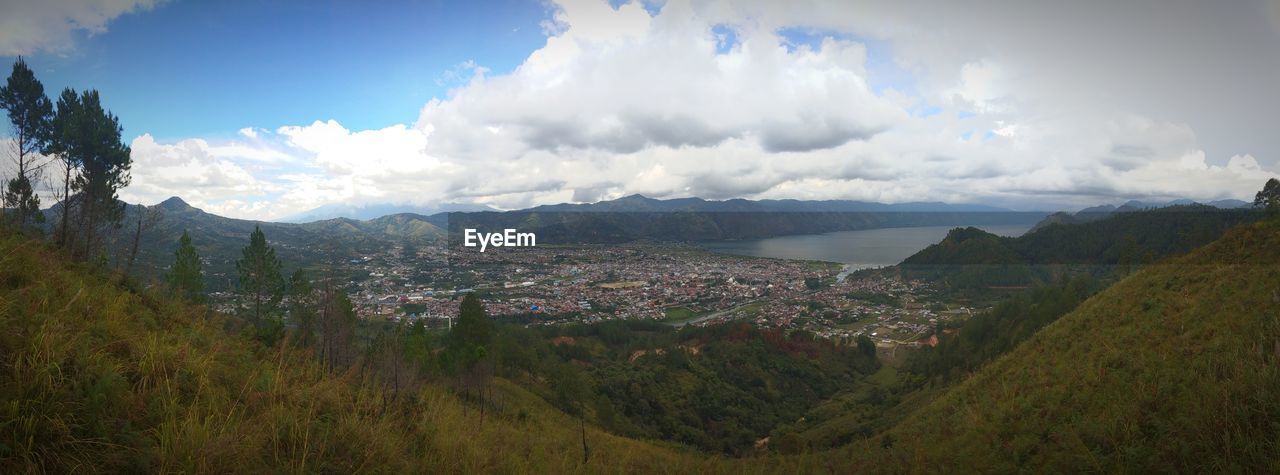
(718, 388)
(97, 378)
(261, 283)
(679, 313)
(985, 336)
(220, 240)
(1173, 368)
(185, 279)
(302, 308)
(30, 119)
(1269, 197)
(971, 261)
(86, 137)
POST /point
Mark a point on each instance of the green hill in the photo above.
(219, 239)
(971, 260)
(1174, 368)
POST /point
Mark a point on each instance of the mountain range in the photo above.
(376, 210)
(219, 239)
(1098, 212)
(641, 203)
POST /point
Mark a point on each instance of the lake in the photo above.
(856, 249)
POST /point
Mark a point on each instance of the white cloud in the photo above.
(28, 27)
(190, 169)
(618, 101)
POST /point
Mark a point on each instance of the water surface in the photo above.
(856, 249)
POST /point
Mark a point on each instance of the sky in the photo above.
(267, 109)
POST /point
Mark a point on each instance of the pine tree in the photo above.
(30, 119)
(473, 330)
(186, 278)
(64, 124)
(87, 138)
(1269, 197)
(261, 283)
(302, 307)
(337, 325)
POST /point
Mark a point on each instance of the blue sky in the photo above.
(268, 109)
(209, 68)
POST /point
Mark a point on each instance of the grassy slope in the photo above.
(96, 378)
(1176, 367)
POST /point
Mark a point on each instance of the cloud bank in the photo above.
(839, 100)
(28, 27)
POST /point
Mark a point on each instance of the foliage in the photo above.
(186, 279)
(1176, 367)
(97, 163)
(30, 119)
(990, 334)
(302, 307)
(99, 379)
(261, 283)
(971, 261)
(1269, 197)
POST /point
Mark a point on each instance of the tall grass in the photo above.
(95, 378)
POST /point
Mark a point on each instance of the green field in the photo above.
(679, 314)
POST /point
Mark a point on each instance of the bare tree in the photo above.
(147, 219)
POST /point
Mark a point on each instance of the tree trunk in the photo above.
(586, 451)
(133, 251)
(66, 205)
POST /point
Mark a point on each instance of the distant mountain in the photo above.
(219, 239)
(1102, 211)
(638, 217)
(1135, 205)
(1134, 380)
(974, 259)
(641, 203)
(371, 211)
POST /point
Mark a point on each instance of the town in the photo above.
(678, 284)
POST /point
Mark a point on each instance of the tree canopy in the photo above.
(87, 138)
(30, 119)
(185, 278)
(1269, 197)
(261, 282)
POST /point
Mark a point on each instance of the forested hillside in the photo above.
(1174, 368)
(971, 260)
(219, 239)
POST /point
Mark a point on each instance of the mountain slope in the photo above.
(971, 259)
(373, 211)
(1175, 368)
(219, 239)
(96, 378)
